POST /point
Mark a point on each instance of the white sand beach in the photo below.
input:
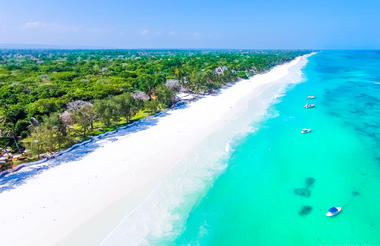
(81, 201)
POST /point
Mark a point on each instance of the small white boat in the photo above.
(308, 105)
(310, 97)
(306, 130)
(333, 211)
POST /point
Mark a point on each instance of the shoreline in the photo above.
(82, 204)
(191, 98)
(185, 99)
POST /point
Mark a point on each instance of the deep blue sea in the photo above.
(278, 183)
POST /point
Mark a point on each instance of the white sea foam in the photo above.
(141, 186)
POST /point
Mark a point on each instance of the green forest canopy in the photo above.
(107, 87)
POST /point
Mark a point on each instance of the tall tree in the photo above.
(106, 111)
(85, 116)
(126, 105)
(165, 95)
(8, 128)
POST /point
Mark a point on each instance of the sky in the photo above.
(251, 24)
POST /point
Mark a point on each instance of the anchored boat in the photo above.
(305, 130)
(333, 211)
(308, 105)
(310, 97)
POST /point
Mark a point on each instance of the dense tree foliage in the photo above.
(53, 98)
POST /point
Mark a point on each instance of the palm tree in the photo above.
(8, 129)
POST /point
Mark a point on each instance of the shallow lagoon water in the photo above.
(278, 183)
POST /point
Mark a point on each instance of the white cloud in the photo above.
(33, 24)
(144, 32)
(196, 34)
(50, 26)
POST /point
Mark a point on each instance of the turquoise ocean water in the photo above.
(278, 183)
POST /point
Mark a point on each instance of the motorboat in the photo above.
(306, 130)
(333, 211)
(308, 105)
(310, 97)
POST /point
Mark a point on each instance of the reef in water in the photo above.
(305, 210)
(309, 181)
(305, 192)
(302, 192)
(355, 193)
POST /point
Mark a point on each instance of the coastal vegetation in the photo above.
(51, 99)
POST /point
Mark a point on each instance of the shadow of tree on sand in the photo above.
(10, 179)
